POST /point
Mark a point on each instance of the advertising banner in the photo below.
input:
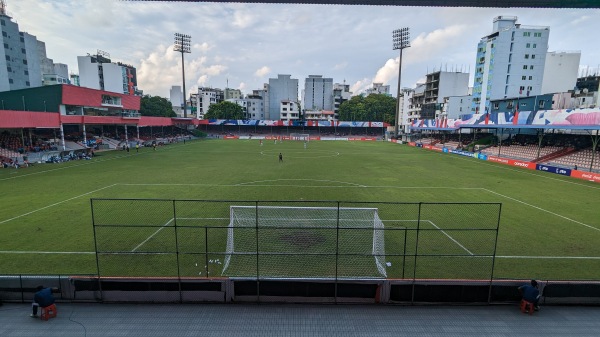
(513, 162)
(464, 153)
(412, 144)
(553, 169)
(590, 176)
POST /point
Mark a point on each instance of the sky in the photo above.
(241, 46)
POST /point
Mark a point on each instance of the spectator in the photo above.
(530, 293)
(43, 297)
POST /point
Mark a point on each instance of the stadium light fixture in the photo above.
(401, 39)
(183, 45)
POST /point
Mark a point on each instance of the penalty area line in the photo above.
(449, 237)
(55, 204)
(151, 236)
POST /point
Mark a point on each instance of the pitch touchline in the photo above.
(38, 252)
(309, 186)
(543, 210)
(54, 204)
(150, 237)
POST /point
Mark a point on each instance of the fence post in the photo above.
(494, 255)
(412, 298)
(96, 250)
(337, 251)
(177, 253)
(257, 257)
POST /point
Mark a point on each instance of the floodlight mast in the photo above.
(401, 39)
(183, 45)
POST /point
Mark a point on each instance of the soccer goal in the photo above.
(300, 136)
(305, 242)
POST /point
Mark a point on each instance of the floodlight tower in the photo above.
(401, 38)
(182, 45)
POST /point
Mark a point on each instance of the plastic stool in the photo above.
(525, 305)
(48, 312)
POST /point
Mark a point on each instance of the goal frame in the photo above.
(300, 136)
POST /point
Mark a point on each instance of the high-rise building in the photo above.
(205, 98)
(560, 71)
(232, 93)
(282, 88)
(341, 93)
(378, 88)
(98, 72)
(510, 62)
(441, 84)
(318, 93)
(176, 98)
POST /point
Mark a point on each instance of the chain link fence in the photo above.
(301, 239)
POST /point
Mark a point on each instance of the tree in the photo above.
(370, 108)
(224, 110)
(156, 106)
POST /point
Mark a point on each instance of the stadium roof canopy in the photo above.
(545, 127)
(421, 3)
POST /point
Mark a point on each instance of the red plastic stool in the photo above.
(48, 312)
(525, 305)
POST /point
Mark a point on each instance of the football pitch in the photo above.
(549, 225)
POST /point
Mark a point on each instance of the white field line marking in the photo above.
(56, 203)
(449, 237)
(39, 252)
(308, 186)
(543, 210)
(328, 181)
(523, 171)
(497, 256)
(150, 237)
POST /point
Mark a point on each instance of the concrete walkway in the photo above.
(91, 320)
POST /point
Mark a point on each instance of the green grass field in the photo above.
(549, 227)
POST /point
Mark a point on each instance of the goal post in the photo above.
(305, 242)
(300, 136)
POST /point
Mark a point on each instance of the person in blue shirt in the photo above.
(530, 293)
(43, 297)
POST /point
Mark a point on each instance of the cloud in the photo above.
(242, 86)
(262, 71)
(580, 19)
(340, 66)
(360, 86)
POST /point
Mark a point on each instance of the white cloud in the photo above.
(242, 86)
(340, 66)
(262, 71)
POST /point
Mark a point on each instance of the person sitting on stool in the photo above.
(43, 297)
(530, 293)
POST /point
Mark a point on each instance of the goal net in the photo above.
(304, 242)
(300, 136)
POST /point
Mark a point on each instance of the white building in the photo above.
(378, 88)
(204, 99)
(98, 72)
(341, 93)
(319, 115)
(256, 107)
(280, 89)
(455, 106)
(289, 110)
(510, 62)
(318, 93)
(560, 71)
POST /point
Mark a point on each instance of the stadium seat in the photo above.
(48, 312)
(527, 307)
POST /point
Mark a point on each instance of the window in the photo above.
(528, 45)
(10, 80)
(523, 78)
(23, 50)
(26, 72)
(532, 56)
(521, 88)
(541, 103)
(6, 46)
(496, 105)
(7, 58)
(524, 66)
(511, 46)
(510, 105)
(27, 83)
(460, 109)
(537, 34)
(2, 22)
(509, 57)
(22, 39)
(526, 56)
(9, 69)
(4, 34)
(530, 78)
(530, 67)
(508, 70)
(534, 45)
(24, 61)
(526, 33)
